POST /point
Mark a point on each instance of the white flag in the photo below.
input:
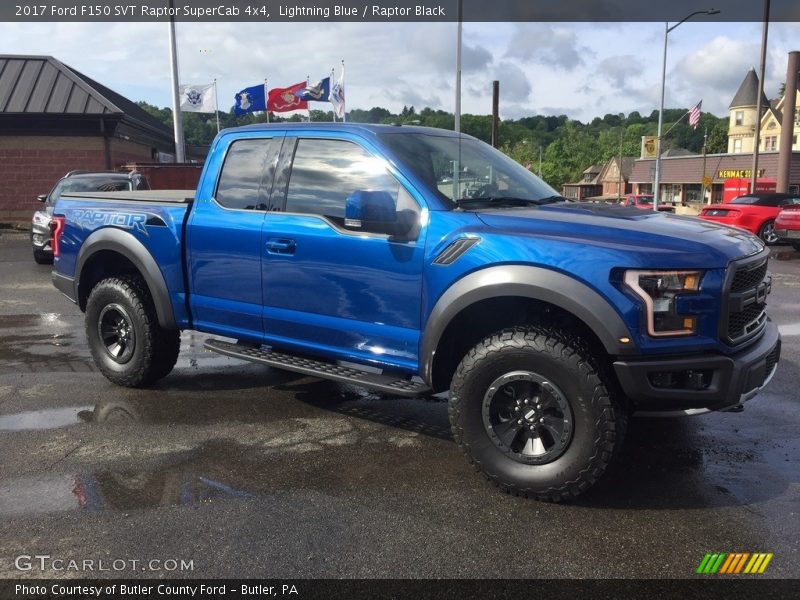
(197, 98)
(336, 97)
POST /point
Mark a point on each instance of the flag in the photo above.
(286, 99)
(197, 98)
(318, 92)
(694, 115)
(249, 100)
(336, 97)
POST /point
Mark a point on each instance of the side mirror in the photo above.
(42, 197)
(376, 212)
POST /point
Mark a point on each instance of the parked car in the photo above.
(787, 226)
(330, 250)
(645, 202)
(75, 181)
(754, 212)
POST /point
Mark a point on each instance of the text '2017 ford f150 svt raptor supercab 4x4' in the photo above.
(413, 261)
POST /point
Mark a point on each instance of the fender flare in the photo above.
(124, 243)
(536, 283)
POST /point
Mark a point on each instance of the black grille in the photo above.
(747, 321)
(744, 279)
(745, 303)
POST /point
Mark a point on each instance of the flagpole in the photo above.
(344, 104)
(308, 84)
(177, 120)
(457, 119)
(216, 103)
(330, 84)
(266, 99)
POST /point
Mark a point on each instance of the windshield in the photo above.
(645, 200)
(466, 169)
(745, 200)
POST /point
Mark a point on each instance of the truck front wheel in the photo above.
(529, 408)
(128, 345)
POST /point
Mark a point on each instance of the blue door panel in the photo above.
(359, 293)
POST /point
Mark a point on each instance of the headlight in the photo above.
(660, 290)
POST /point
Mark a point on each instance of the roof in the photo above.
(677, 152)
(747, 94)
(627, 166)
(689, 169)
(44, 85)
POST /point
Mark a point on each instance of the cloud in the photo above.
(715, 71)
(549, 45)
(620, 69)
(513, 81)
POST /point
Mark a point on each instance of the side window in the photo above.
(325, 173)
(242, 184)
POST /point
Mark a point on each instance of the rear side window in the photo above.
(242, 184)
(326, 172)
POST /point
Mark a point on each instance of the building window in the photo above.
(737, 145)
(739, 117)
(771, 143)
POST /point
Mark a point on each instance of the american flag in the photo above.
(694, 115)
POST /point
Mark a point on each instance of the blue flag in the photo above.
(250, 100)
(318, 92)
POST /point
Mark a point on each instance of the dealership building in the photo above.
(682, 176)
(53, 120)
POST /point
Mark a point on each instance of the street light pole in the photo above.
(667, 29)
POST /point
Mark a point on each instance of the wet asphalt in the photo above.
(250, 472)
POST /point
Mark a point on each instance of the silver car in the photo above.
(76, 181)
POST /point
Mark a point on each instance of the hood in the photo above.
(627, 228)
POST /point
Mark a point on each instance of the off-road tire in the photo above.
(564, 359)
(796, 246)
(155, 349)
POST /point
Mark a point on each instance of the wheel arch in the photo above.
(505, 289)
(109, 251)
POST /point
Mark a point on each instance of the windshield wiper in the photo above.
(508, 201)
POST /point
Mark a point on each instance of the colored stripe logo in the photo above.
(733, 563)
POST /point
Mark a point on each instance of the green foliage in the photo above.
(568, 146)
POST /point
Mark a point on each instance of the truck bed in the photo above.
(163, 196)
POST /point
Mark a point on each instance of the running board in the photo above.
(389, 384)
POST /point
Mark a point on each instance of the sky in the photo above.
(583, 70)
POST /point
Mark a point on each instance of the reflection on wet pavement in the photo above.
(49, 418)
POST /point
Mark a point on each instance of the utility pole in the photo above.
(787, 126)
(619, 167)
(703, 184)
(540, 161)
(180, 155)
(458, 70)
(495, 112)
(762, 68)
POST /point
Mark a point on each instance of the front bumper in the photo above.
(701, 383)
(791, 235)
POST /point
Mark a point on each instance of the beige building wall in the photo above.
(741, 129)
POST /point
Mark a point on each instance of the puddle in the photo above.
(51, 418)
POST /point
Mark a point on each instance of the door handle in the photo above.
(281, 246)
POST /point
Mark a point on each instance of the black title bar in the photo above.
(390, 11)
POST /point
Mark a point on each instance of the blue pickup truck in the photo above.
(413, 261)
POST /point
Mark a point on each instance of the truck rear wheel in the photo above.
(128, 345)
(529, 408)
